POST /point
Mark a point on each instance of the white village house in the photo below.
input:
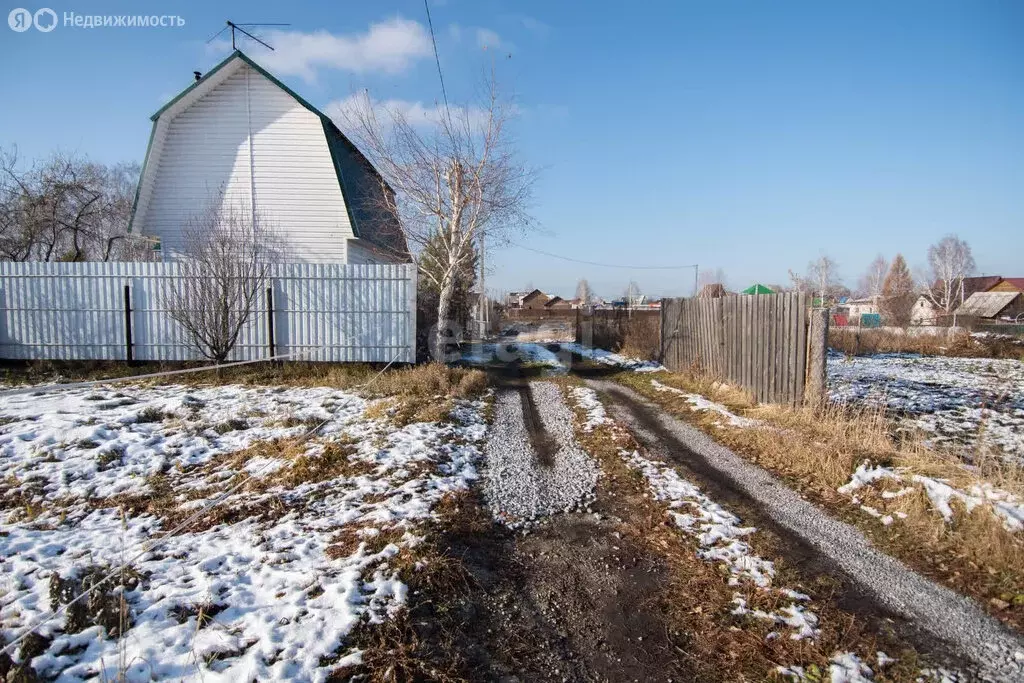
(238, 135)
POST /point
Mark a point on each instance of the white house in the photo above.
(239, 135)
(859, 307)
(924, 312)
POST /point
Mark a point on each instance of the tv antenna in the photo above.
(238, 27)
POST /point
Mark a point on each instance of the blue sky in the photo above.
(747, 136)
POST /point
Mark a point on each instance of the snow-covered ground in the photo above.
(962, 403)
(271, 595)
(557, 355)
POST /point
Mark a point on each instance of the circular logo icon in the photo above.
(46, 19)
(20, 19)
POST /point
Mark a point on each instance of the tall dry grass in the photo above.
(864, 342)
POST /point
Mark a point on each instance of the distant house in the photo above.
(514, 299)
(237, 139)
(558, 303)
(534, 301)
(924, 312)
(855, 308)
(1007, 305)
(982, 283)
(757, 288)
(1008, 284)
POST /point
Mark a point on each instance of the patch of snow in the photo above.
(287, 604)
(587, 399)
(719, 534)
(700, 403)
(1003, 504)
(617, 360)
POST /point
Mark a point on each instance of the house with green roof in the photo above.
(238, 136)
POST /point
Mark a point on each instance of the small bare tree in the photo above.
(871, 282)
(584, 294)
(450, 179)
(950, 261)
(823, 276)
(710, 277)
(224, 263)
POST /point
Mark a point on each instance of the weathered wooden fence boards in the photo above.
(106, 311)
(758, 342)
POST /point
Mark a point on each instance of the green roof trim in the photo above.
(757, 289)
(142, 173)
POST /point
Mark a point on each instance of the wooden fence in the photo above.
(758, 342)
(120, 311)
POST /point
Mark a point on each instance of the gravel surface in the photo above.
(518, 489)
(997, 653)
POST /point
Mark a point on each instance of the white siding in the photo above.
(207, 147)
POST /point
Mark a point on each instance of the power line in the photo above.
(602, 265)
(437, 59)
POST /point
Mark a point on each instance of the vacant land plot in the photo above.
(973, 406)
(247, 531)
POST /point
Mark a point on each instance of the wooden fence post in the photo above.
(815, 388)
(129, 351)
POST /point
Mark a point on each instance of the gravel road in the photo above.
(518, 488)
(995, 653)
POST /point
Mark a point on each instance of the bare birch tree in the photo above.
(871, 282)
(224, 263)
(823, 276)
(453, 177)
(584, 294)
(950, 261)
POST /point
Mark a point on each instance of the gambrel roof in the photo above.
(377, 228)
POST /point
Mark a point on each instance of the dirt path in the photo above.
(572, 600)
(942, 623)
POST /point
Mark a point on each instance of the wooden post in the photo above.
(129, 351)
(270, 322)
(815, 388)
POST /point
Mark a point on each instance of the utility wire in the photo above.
(602, 265)
(437, 59)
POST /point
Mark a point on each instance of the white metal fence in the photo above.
(119, 311)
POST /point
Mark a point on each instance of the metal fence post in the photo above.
(129, 352)
(270, 322)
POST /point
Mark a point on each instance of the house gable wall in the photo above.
(206, 149)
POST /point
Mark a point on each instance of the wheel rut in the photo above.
(940, 622)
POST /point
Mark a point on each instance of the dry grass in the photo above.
(423, 642)
(698, 601)
(816, 452)
(430, 379)
(865, 342)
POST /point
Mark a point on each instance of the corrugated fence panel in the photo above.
(329, 312)
(757, 342)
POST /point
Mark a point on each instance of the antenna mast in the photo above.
(238, 27)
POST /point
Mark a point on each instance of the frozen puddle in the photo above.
(518, 487)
